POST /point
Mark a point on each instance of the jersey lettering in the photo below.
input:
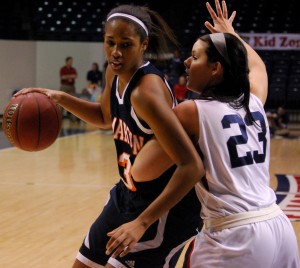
(123, 133)
(240, 140)
(124, 161)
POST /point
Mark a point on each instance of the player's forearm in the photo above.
(182, 181)
(89, 112)
(254, 60)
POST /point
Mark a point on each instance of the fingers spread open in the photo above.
(218, 8)
(211, 11)
(231, 19)
(224, 7)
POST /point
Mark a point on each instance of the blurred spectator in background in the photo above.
(174, 68)
(94, 88)
(94, 76)
(180, 89)
(278, 121)
(68, 74)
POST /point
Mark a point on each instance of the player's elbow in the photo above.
(199, 169)
(195, 169)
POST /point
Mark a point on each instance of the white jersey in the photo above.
(236, 155)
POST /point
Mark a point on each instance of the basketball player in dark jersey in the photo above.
(131, 197)
(137, 103)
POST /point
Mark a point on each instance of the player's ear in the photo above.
(217, 69)
(217, 72)
(145, 44)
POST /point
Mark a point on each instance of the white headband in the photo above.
(219, 42)
(135, 19)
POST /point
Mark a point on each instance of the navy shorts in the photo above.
(160, 242)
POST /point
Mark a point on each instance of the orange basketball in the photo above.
(32, 122)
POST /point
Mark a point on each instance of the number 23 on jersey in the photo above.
(243, 139)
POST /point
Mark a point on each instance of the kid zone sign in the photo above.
(272, 41)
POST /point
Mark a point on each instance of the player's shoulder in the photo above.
(187, 107)
(148, 83)
(150, 71)
(151, 83)
(187, 113)
(256, 99)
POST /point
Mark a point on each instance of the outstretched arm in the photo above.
(90, 112)
(258, 75)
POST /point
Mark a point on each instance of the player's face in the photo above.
(199, 70)
(122, 46)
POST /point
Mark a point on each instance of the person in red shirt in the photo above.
(68, 74)
(180, 89)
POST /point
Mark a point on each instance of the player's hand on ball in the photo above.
(54, 95)
(31, 121)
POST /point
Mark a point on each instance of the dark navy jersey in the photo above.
(130, 133)
(129, 198)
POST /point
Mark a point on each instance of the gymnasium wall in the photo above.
(17, 67)
(37, 64)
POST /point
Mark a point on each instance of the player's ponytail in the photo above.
(161, 36)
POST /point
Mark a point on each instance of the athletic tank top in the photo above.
(236, 155)
(130, 133)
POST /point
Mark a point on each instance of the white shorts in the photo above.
(265, 244)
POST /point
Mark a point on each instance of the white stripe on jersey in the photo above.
(157, 240)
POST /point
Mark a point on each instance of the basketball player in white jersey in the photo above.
(243, 225)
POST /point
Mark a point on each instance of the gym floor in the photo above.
(48, 199)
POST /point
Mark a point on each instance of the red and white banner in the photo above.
(265, 41)
(288, 195)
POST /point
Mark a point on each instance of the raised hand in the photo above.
(222, 24)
